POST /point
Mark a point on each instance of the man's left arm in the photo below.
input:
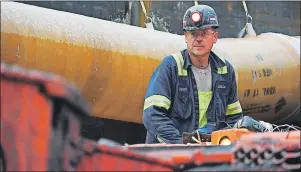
(234, 110)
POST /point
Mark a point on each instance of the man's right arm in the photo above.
(157, 105)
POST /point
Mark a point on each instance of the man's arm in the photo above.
(234, 110)
(157, 105)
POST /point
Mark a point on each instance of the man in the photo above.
(193, 87)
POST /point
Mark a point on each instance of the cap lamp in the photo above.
(195, 17)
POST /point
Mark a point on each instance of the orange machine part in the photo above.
(111, 63)
(103, 158)
(290, 135)
(32, 120)
(280, 149)
(231, 134)
(275, 141)
(199, 158)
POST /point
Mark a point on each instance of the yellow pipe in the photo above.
(111, 63)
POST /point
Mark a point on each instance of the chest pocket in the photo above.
(182, 106)
(222, 87)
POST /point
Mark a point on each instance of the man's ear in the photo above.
(215, 37)
(185, 35)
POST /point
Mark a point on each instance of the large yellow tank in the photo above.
(111, 63)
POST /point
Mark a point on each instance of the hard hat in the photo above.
(199, 17)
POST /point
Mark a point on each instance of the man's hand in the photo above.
(253, 125)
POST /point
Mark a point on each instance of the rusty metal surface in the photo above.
(20, 113)
(111, 63)
(40, 129)
(269, 149)
(169, 152)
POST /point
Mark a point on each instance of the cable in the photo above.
(196, 140)
(288, 127)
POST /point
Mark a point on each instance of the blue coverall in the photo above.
(171, 104)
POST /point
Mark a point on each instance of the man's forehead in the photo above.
(204, 30)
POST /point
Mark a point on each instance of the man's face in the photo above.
(200, 42)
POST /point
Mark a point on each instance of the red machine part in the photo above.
(41, 122)
(280, 149)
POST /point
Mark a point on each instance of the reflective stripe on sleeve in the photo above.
(234, 108)
(157, 100)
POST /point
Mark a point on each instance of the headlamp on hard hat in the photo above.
(195, 17)
(199, 17)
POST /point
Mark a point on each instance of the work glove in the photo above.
(253, 125)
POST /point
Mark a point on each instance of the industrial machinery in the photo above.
(41, 118)
(111, 63)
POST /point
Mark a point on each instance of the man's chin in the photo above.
(199, 53)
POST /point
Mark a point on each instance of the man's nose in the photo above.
(199, 37)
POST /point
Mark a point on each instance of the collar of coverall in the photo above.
(215, 62)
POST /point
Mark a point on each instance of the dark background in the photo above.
(278, 16)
